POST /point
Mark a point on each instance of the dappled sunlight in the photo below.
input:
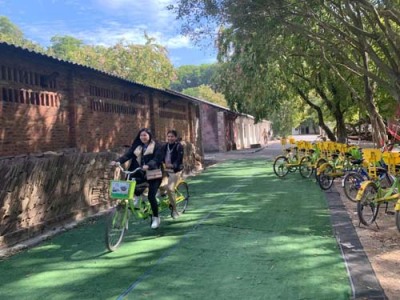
(244, 235)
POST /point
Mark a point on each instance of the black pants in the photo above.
(153, 188)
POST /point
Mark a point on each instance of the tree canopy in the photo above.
(205, 92)
(339, 52)
(148, 64)
(191, 76)
(11, 34)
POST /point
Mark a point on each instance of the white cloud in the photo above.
(154, 11)
(113, 31)
(178, 41)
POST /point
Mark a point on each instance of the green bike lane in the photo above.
(246, 235)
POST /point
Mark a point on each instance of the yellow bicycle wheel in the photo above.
(182, 197)
(117, 223)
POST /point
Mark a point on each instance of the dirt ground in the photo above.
(381, 241)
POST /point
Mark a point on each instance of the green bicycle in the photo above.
(122, 193)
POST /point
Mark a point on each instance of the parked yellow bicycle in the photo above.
(372, 195)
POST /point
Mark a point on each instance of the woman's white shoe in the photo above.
(175, 215)
(155, 223)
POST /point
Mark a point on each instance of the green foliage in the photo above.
(147, 64)
(11, 34)
(66, 47)
(190, 76)
(337, 51)
(205, 92)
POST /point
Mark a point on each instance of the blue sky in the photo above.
(104, 22)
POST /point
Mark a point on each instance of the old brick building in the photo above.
(49, 104)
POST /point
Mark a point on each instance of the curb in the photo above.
(362, 277)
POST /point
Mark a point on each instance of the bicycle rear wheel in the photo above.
(319, 163)
(281, 166)
(367, 208)
(115, 227)
(306, 168)
(181, 197)
(293, 160)
(351, 184)
(398, 220)
(325, 180)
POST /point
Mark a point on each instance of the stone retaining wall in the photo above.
(43, 191)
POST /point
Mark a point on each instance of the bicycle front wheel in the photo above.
(281, 166)
(182, 197)
(306, 167)
(367, 208)
(115, 227)
(351, 184)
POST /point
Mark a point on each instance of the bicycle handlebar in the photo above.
(128, 172)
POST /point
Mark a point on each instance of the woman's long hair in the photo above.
(137, 141)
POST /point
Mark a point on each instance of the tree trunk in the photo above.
(341, 132)
(321, 121)
(379, 135)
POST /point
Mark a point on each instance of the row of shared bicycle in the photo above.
(370, 177)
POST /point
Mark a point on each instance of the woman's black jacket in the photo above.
(176, 156)
(153, 160)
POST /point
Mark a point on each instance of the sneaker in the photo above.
(161, 193)
(155, 223)
(175, 215)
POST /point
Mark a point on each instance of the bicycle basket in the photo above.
(392, 159)
(120, 189)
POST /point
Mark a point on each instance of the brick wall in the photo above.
(33, 111)
(48, 104)
(209, 122)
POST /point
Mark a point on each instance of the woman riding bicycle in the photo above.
(145, 153)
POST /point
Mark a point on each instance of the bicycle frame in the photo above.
(368, 203)
(384, 194)
(119, 217)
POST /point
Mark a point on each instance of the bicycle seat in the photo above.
(356, 161)
(141, 187)
(381, 170)
(288, 150)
